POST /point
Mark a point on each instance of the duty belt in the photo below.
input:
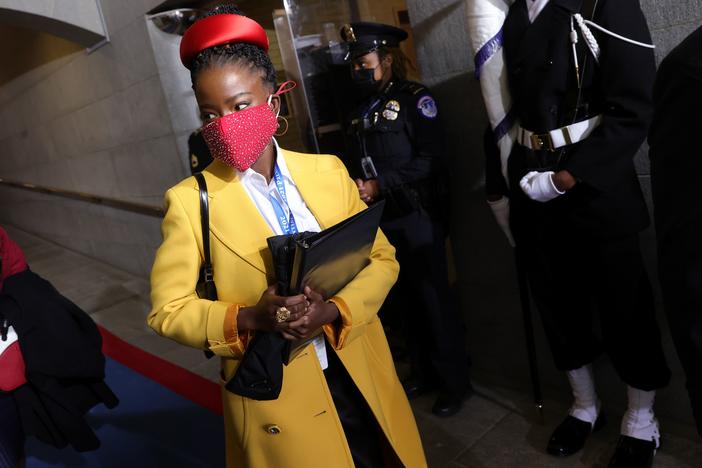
(558, 138)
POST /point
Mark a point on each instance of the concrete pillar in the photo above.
(177, 88)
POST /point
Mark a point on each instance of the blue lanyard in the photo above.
(287, 225)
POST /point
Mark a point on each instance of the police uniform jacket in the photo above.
(607, 200)
(403, 137)
(301, 427)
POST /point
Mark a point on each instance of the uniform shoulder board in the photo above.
(414, 88)
(423, 100)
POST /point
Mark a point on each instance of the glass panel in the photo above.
(308, 36)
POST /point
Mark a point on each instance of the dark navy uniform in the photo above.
(399, 130)
(399, 142)
(582, 247)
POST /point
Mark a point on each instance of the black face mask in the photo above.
(364, 80)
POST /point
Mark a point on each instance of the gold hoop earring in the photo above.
(287, 126)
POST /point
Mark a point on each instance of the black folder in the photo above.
(325, 261)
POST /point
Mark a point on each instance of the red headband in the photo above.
(217, 30)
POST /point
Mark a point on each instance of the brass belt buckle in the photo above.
(542, 142)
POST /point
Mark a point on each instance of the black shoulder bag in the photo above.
(205, 287)
(260, 374)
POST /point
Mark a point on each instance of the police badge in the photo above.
(393, 105)
(389, 114)
(392, 109)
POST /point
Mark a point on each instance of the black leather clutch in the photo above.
(325, 261)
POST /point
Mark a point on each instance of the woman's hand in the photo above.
(262, 316)
(368, 190)
(319, 313)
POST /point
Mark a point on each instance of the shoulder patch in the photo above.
(427, 107)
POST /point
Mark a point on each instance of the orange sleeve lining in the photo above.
(236, 342)
(337, 332)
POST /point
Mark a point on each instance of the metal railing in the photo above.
(133, 207)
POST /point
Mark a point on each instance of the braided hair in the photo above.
(249, 55)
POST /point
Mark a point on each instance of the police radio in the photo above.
(369, 171)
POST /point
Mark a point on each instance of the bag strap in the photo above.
(205, 226)
(207, 270)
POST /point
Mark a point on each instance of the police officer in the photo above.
(398, 157)
(582, 99)
(200, 156)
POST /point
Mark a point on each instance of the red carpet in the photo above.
(167, 416)
(191, 386)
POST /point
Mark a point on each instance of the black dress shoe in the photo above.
(415, 388)
(448, 404)
(570, 436)
(633, 453)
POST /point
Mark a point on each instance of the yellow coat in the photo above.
(310, 432)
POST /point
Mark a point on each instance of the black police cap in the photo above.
(363, 37)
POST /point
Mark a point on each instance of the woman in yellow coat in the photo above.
(341, 404)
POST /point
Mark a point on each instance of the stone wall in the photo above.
(98, 123)
(76, 20)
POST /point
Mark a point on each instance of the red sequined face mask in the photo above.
(239, 138)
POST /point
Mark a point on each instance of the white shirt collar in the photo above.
(535, 7)
(250, 174)
(282, 164)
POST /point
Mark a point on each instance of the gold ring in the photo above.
(282, 314)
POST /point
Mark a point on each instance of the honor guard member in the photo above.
(398, 157)
(580, 74)
(200, 156)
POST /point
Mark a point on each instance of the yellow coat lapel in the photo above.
(321, 188)
(234, 219)
(236, 222)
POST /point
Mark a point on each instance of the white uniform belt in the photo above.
(560, 137)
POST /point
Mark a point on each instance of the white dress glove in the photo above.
(500, 209)
(539, 186)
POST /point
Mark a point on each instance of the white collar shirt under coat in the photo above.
(534, 7)
(260, 192)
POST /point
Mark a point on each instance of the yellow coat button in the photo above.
(272, 429)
